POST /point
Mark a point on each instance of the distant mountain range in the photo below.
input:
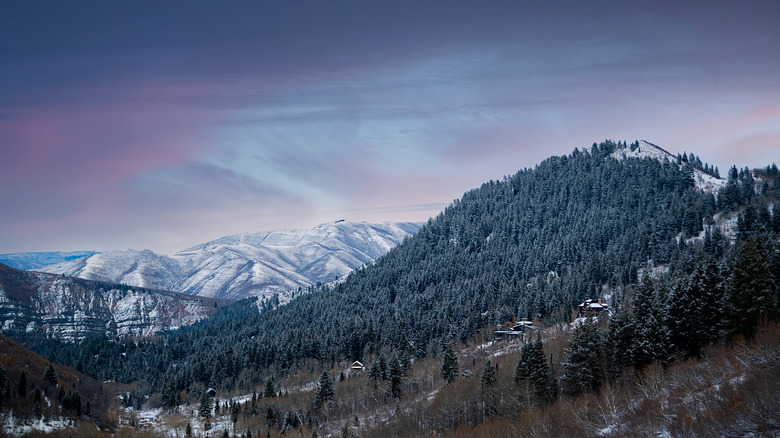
(36, 305)
(249, 264)
(34, 260)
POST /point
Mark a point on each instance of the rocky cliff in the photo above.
(36, 305)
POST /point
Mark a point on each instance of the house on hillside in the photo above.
(518, 329)
(357, 367)
(591, 308)
(523, 325)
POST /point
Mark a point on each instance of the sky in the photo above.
(161, 124)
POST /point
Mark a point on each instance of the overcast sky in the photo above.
(165, 124)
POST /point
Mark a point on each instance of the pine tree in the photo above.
(188, 430)
(540, 373)
(49, 376)
(620, 340)
(752, 298)
(708, 279)
(489, 375)
(22, 389)
(583, 366)
(487, 388)
(205, 409)
(3, 385)
(533, 369)
(522, 369)
(651, 341)
(325, 393)
(395, 377)
(270, 390)
(76, 403)
(169, 394)
(449, 367)
(683, 318)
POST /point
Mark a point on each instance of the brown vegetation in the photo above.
(50, 399)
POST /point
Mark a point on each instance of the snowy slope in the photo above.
(704, 182)
(249, 264)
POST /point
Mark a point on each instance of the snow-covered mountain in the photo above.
(37, 305)
(249, 264)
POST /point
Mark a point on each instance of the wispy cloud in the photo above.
(119, 127)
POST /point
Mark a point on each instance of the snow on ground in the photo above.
(13, 426)
(511, 347)
(173, 423)
(653, 271)
(728, 225)
(645, 150)
(708, 183)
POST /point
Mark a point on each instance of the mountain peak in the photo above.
(643, 149)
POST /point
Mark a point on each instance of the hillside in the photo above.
(36, 306)
(47, 404)
(250, 264)
(682, 266)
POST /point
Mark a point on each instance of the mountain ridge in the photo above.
(248, 264)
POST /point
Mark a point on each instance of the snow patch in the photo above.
(13, 426)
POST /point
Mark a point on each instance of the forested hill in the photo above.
(533, 245)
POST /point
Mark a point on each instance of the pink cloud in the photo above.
(81, 150)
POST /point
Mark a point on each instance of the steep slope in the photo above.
(33, 260)
(250, 264)
(36, 305)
